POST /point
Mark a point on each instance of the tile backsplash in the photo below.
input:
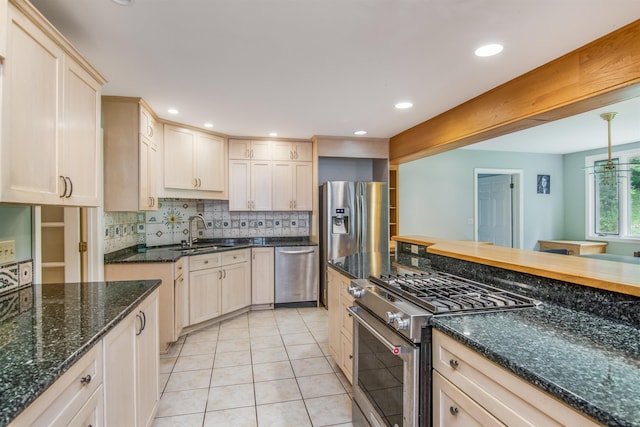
(169, 224)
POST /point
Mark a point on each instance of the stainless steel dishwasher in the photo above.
(296, 276)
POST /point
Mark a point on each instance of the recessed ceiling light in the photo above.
(360, 132)
(489, 50)
(273, 134)
(172, 111)
(403, 105)
(208, 125)
(123, 2)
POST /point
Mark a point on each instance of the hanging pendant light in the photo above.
(608, 172)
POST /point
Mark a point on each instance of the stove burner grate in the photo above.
(440, 292)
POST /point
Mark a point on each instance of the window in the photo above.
(614, 194)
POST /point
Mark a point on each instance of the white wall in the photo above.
(436, 194)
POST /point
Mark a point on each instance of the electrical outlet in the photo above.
(7, 251)
(414, 249)
(414, 261)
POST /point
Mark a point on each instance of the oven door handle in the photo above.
(395, 349)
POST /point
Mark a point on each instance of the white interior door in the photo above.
(494, 210)
(498, 207)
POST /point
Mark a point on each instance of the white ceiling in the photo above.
(327, 67)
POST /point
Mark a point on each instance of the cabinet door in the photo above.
(303, 151)
(79, 148)
(210, 162)
(3, 34)
(179, 306)
(346, 362)
(261, 186)
(119, 374)
(239, 149)
(236, 287)
(144, 195)
(261, 150)
(335, 317)
(204, 295)
(302, 186)
(282, 185)
(281, 150)
(147, 124)
(178, 158)
(239, 185)
(262, 276)
(31, 107)
(147, 363)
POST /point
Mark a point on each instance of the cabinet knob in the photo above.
(86, 379)
(454, 411)
(454, 363)
(206, 261)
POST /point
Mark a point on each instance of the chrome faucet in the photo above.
(191, 218)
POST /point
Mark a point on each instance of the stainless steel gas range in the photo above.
(392, 340)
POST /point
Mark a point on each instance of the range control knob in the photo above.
(401, 324)
(390, 317)
(356, 291)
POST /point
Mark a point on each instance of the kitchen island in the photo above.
(583, 356)
(61, 324)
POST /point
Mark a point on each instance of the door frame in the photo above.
(517, 202)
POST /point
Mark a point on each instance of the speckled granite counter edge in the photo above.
(541, 383)
(10, 413)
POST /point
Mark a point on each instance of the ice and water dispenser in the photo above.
(340, 221)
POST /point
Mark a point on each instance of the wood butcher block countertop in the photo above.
(608, 275)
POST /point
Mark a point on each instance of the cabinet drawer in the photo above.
(346, 319)
(451, 407)
(200, 262)
(508, 397)
(235, 257)
(68, 395)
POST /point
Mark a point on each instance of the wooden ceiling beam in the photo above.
(602, 72)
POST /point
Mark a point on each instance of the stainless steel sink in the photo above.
(198, 248)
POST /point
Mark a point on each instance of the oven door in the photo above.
(385, 374)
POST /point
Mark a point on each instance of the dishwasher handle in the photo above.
(308, 251)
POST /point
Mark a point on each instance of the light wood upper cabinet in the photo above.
(3, 34)
(250, 184)
(130, 156)
(300, 151)
(50, 115)
(194, 160)
(241, 149)
(292, 183)
(263, 175)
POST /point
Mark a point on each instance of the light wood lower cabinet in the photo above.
(340, 322)
(262, 277)
(219, 283)
(168, 273)
(116, 383)
(204, 294)
(469, 389)
(132, 368)
(70, 396)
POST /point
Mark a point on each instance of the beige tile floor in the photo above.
(262, 368)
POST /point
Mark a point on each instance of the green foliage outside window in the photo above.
(607, 199)
(634, 196)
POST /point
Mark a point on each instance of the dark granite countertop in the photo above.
(63, 322)
(588, 362)
(363, 265)
(173, 253)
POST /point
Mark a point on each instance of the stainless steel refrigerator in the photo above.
(354, 217)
